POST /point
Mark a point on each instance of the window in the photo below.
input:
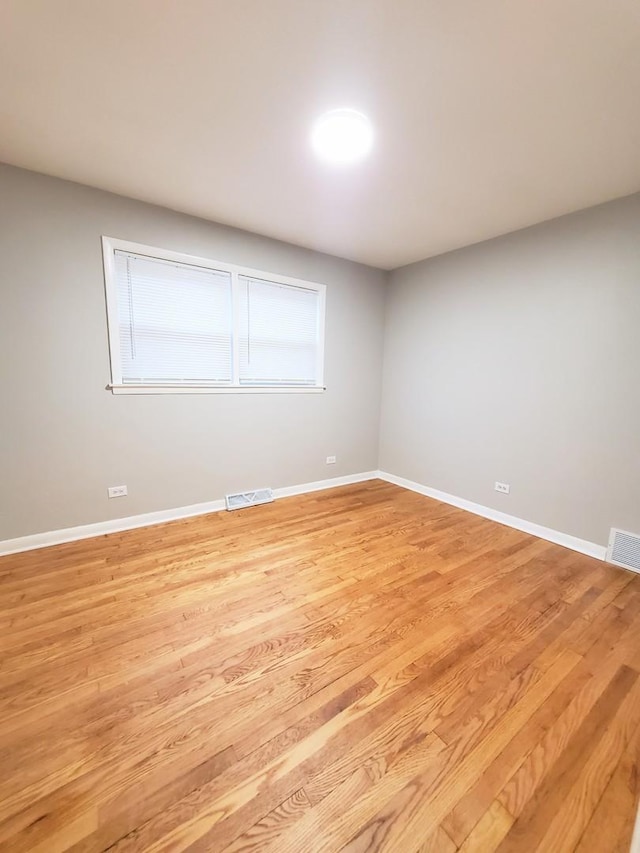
(184, 324)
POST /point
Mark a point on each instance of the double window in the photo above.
(183, 324)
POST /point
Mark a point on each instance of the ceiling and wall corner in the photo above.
(516, 360)
(489, 117)
(66, 439)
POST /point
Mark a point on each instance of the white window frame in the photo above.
(117, 385)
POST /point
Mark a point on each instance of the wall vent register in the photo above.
(244, 499)
(624, 549)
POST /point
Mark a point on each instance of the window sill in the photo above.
(216, 389)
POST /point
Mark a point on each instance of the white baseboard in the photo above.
(582, 545)
(116, 525)
(319, 485)
(635, 841)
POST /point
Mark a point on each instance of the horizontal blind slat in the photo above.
(278, 333)
(175, 321)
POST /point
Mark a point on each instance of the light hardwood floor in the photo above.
(360, 669)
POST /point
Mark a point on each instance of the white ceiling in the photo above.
(490, 115)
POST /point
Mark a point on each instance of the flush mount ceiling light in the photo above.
(342, 137)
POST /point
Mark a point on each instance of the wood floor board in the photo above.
(490, 830)
(547, 806)
(358, 669)
(612, 821)
(517, 770)
(422, 804)
(570, 821)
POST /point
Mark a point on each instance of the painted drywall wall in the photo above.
(64, 438)
(518, 360)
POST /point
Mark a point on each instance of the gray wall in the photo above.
(519, 360)
(64, 438)
(516, 360)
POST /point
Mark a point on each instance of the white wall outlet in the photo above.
(502, 487)
(117, 491)
(331, 460)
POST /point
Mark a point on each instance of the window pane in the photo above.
(175, 321)
(278, 333)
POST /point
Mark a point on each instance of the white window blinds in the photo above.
(183, 324)
(174, 321)
(278, 333)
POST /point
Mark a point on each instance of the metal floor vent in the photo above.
(243, 499)
(624, 549)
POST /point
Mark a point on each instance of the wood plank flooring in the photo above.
(360, 669)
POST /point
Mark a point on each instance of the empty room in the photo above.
(320, 426)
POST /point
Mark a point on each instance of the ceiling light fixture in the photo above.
(342, 137)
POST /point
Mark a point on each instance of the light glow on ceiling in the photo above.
(342, 137)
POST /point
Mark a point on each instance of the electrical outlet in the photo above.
(331, 460)
(502, 487)
(117, 491)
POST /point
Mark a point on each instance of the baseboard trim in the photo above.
(147, 519)
(591, 549)
(635, 840)
(319, 485)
